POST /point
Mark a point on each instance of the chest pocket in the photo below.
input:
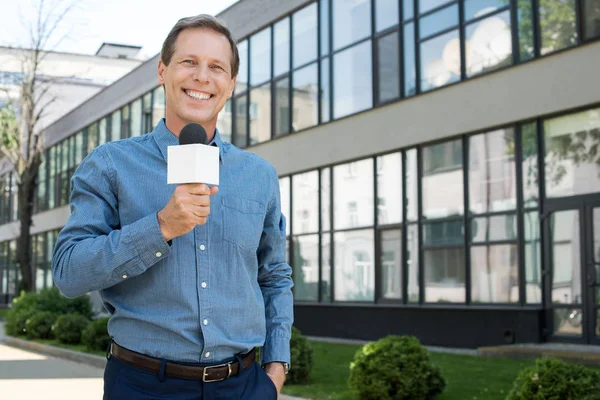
(243, 221)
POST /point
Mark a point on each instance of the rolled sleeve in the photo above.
(276, 348)
(148, 240)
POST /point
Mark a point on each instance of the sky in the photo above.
(89, 23)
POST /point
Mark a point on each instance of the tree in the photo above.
(21, 140)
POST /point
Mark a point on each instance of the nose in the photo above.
(201, 73)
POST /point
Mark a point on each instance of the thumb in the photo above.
(214, 190)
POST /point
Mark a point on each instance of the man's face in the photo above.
(198, 79)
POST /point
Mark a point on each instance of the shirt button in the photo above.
(158, 254)
(204, 285)
(205, 321)
(202, 247)
(207, 354)
(124, 276)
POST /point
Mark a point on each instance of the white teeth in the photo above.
(197, 96)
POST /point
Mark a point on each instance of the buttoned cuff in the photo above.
(276, 348)
(148, 240)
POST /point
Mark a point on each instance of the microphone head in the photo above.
(193, 134)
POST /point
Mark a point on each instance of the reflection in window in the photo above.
(442, 180)
(412, 188)
(530, 164)
(440, 61)
(325, 199)
(389, 68)
(592, 19)
(224, 122)
(281, 47)
(125, 122)
(241, 125)
(260, 57)
(284, 191)
(115, 129)
(352, 83)
(306, 268)
(494, 274)
(147, 125)
(571, 154)
(158, 108)
(305, 35)
(242, 78)
(410, 69)
(489, 44)
(260, 114)
(443, 233)
(408, 9)
(324, 24)
(494, 228)
(426, 5)
(282, 106)
(412, 262)
(391, 264)
(386, 14)
(565, 256)
(325, 267)
(306, 202)
(533, 258)
(354, 266)
(438, 21)
(136, 118)
(352, 207)
(557, 25)
(525, 30)
(325, 93)
(492, 176)
(351, 21)
(92, 137)
(389, 189)
(305, 98)
(444, 275)
(479, 8)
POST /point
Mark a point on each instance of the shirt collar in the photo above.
(165, 138)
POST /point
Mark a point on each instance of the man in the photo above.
(194, 277)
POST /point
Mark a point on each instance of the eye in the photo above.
(215, 66)
(189, 62)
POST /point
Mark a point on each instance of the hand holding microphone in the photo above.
(188, 164)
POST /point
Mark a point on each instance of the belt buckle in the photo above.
(204, 373)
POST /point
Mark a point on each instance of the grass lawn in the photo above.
(467, 378)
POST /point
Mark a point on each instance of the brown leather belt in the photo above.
(211, 373)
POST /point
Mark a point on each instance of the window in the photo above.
(354, 268)
(241, 84)
(281, 47)
(558, 27)
(305, 98)
(352, 80)
(260, 114)
(353, 208)
(389, 189)
(260, 57)
(388, 85)
(305, 35)
(351, 21)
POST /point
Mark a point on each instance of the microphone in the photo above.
(193, 133)
(193, 161)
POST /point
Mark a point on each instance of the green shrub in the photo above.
(52, 300)
(39, 325)
(24, 307)
(95, 336)
(395, 368)
(68, 328)
(301, 358)
(552, 379)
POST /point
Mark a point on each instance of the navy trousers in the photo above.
(123, 381)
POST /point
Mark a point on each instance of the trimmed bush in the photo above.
(24, 307)
(95, 336)
(39, 326)
(395, 368)
(68, 328)
(52, 300)
(556, 380)
(301, 358)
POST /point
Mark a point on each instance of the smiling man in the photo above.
(194, 277)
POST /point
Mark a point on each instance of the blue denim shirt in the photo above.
(221, 289)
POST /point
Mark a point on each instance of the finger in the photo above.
(214, 190)
(198, 188)
(201, 212)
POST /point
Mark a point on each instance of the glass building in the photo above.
(439, 162)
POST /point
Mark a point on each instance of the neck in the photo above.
(175, 126)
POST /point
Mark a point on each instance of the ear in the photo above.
(233, 81)
(161, 71)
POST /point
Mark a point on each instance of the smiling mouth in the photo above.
(198, 95)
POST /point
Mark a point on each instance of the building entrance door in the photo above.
(572, 269)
